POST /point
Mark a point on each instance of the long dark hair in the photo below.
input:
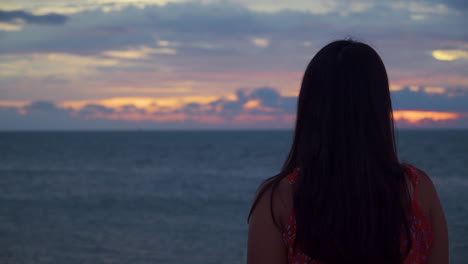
(351, 199)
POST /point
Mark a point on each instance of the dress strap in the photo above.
(292, 176)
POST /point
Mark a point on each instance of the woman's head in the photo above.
(344, 103)
(350, 199)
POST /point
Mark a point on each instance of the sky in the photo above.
(213, 64)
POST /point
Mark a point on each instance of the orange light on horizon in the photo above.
(147, 103)
(172, 109)
(411, 116)
(138, 117)
(415, 116)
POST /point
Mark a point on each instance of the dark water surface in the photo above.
(169, 197)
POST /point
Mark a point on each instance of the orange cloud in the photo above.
(410, 116)
(252, 104)
(262, 107)
(450, 55)
(13, 103)
(415, 117)
(147, 103)
(139, 52)
(139, 117)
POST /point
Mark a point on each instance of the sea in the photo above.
(170, 196)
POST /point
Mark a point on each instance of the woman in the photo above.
(342, 195)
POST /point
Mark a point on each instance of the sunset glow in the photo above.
(146, 103)
(413, 117)
(183, 64)
(203, 110)
(418, 116)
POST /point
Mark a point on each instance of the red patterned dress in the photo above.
(420, 227)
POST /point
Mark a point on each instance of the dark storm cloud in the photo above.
(51, 19)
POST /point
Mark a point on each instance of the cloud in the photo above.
(49, 19)
(37, 115)
(52, 65)
(453, 100)
(450, 55)
(421, 7)
(190, 22)
(258, 108)
(139, 53)
(76, 6)
(261, 42)
(10, 27)
(93, 109)
(455, 4)
(267, 96)
(209, 31)
(206, 48)
(272, 110)
(316, 6)
(40, 107)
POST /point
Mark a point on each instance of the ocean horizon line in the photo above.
(207, 130)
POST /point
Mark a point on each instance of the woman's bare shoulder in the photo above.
(285, 197)
(279, 199)
(430, 198)
(265, 243)
(427, 193)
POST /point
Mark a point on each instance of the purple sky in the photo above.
(217, 64)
